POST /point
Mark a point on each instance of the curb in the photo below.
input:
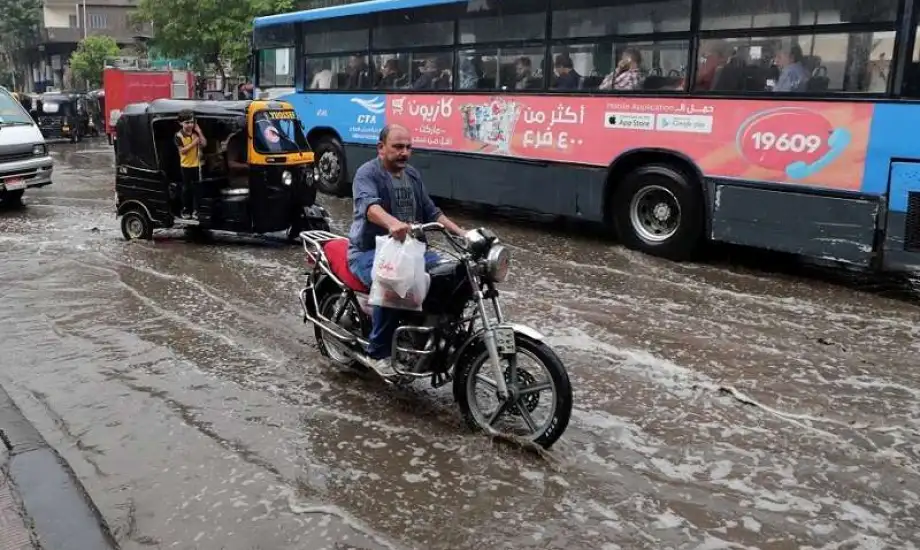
(63, 516)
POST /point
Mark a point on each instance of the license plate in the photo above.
(15, 184)
(504, 341)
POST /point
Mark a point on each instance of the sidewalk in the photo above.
(42, 504)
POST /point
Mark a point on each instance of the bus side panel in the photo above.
(829, 227)
(556, 190)
(893, 169)
(355, 118)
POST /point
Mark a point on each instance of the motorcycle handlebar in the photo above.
(423, 227)
(459, 243)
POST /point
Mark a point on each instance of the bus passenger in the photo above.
(566, 77)
(432, 78)
(390, 76)
(628, 74)
(525, 77)
(470, 71)
(322, 80)
(793, 76)
(358, 75)
(714, 56)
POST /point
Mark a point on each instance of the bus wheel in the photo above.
(657, 210)
(330, 159)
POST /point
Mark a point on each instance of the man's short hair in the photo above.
(385, 132)
(185, 115)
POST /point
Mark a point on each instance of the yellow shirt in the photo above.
(190, 158)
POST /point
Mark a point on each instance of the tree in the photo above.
(88, 61)
(206, 31)
(19, 24)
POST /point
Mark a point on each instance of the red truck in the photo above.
(124, 86)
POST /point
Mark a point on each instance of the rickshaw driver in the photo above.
(237, 166)
(388, 196)
(190, 141)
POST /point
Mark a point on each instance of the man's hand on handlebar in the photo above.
(399, 230)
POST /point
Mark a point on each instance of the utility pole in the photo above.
(86, 84)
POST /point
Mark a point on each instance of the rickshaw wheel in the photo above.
(136, 225)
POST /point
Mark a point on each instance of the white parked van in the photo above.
(24, 158)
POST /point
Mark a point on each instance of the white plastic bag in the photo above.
(396, 263)
(398, 277)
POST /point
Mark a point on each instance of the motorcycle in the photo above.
(453, 339)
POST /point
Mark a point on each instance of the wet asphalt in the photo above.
(716, 405)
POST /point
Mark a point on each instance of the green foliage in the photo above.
(88, 61)
(19, 24)
(206, 31)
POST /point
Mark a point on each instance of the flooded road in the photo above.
(714, 408)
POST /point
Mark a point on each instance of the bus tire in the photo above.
(330, 160)
(658, 210)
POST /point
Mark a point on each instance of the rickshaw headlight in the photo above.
(287, 178)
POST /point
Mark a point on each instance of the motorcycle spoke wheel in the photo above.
(335, 350)
(539, 402)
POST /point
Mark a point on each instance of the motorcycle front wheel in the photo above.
(536, 380)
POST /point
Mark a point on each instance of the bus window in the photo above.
(325, 40)
(416, 71)
(812, 63)
(739, 14)
(508, 20)
(344, 72)
(489, 68)
(590, 18)
(625, 66)
(276, 67)
(414, 28)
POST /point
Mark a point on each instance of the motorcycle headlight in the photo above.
(498, 263)
(316, 174)
(287, 178)
(39, 150)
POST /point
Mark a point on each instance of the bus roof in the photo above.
(360, 8)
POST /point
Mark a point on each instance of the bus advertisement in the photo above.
(720, 124)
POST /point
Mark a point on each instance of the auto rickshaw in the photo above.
(63, 116)
(277, 191)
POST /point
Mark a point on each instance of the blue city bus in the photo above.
(780, 125)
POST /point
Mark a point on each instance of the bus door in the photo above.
(892, 133)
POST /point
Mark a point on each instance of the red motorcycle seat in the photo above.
(337, 253)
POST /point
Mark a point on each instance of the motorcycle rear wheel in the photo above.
(328, 345)
(527, 391)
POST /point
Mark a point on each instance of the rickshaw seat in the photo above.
(337, 253)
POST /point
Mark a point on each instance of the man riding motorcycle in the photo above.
(388, 196)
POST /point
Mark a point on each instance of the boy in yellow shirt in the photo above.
(190, 141)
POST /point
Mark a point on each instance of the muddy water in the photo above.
(715, 407)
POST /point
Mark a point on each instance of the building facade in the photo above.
(66, 22)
